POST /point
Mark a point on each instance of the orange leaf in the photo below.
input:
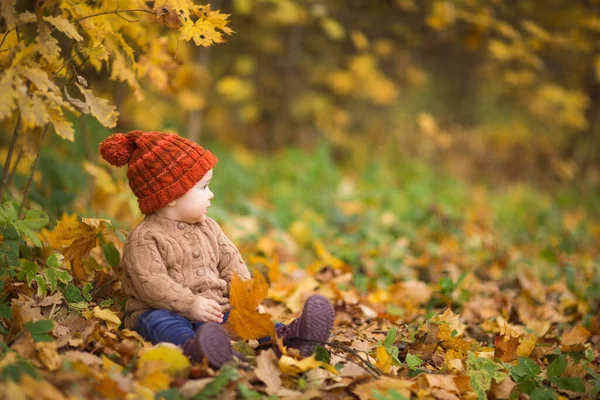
(245, 296)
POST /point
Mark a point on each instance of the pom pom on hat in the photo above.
(117, 149)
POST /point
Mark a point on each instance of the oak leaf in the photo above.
(100, 108)
(245, 297)
(65, 26)
(48, 45)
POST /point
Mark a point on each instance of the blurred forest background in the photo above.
(489, 92)
(399, 156)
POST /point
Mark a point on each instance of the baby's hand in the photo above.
(206, 310)
(260, 309)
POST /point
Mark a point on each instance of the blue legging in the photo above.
(167, 326)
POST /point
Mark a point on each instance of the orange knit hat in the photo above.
(162, 166)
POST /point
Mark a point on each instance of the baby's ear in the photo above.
(172, 204)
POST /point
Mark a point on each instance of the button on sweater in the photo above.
(168, 264)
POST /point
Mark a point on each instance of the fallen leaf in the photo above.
(383, 385)
(110, 317)
(291, 366)
(267, 371)
(245, 296)
(48, 355)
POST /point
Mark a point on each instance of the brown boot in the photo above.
(211, 341)
(315, 323)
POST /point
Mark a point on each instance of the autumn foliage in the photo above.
(444, 286)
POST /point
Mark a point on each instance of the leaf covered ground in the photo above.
(442, 289)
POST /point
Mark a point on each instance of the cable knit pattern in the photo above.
(169, 263)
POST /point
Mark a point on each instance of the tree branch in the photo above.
(373, 370)
(11, 149)
(116, 11)
(26, 190)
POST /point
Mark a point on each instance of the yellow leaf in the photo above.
(204, 31)
(156, 380)
(65, 26)
(449, 324)
(165, 357)
(62, 126)
(123, 73)
(291, 366)
(9, 94)
(48, 45)
(33, 110)
(111, 319)
(333, 29)
(360, 40)
(38, 77)
(245, 296)
(384, 360)
(109, 366)
(104, 112)
(235, 88)
(48, 356)
(190, 100)
(527, 345)
(39, 389)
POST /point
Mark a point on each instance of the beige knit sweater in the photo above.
(169, 263)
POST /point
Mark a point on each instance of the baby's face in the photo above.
(193, 206)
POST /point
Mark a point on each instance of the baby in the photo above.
(178, 262)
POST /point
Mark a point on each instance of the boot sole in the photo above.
(318, 322)
(214, 344)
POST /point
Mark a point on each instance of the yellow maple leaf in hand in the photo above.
(245, 297)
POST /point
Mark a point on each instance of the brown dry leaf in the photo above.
(194, 386)
(267, 371)
(575, 338)
(413, 292)
(245, 297)
(384, 384)
(82, 238)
